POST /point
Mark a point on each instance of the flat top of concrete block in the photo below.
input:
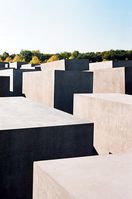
(116, 97)
(19, 112)
(92, 177)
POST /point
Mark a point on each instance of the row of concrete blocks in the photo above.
(27, 137)
(33, 132)
(100, 176)
(46, 86)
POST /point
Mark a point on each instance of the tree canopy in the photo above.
(35, 56)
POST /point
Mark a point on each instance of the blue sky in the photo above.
(65, 25)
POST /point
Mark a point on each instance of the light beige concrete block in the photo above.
(83, 178)
(100, 65)
(39, 86)
(109, 80)
(111, 114)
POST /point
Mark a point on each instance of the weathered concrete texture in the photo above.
(16, 79)
(31, 132)
(84, 178)
(110, 80)
(110, 64)
(16, 65)
(111, 114)
(4, 86)
(72, 65)
(56, 88)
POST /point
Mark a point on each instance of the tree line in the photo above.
(37, 57)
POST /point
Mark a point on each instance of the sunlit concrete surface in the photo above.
(111, 114)
(31, 132)
(84, 178)
(110, 64)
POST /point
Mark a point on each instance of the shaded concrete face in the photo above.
(83, 178)
(56, 88)
(111, 114)
(68, 83)
(4, 65)
(128, 80)
(127, 63)
(77, 64)
(25, 138)
(4, 86)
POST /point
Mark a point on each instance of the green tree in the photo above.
(64, 55)
(74, 55)
(27, 55)
(5, 55)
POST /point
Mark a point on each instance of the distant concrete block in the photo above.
(4, 65)
(4, 86)
(31, 66)
(84, 178)
(31, 132)
(110, 64)
(70, 65)
(16, 79)
(16, 65)
(56, 88)
(110, 80)
(113, 80)
(100, 65)
(111, 114)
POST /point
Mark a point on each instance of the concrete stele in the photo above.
(111, 114)
(31, 132)
(83, 178)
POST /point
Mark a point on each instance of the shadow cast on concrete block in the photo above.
(128, 80)
(4, 86)
(67, 84)
(19, 148)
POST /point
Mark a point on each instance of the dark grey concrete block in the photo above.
(4, 86)
(67, 83)
(128, 80)
(77, 64)
(31, 132)
(4, 65)
(127, 63)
